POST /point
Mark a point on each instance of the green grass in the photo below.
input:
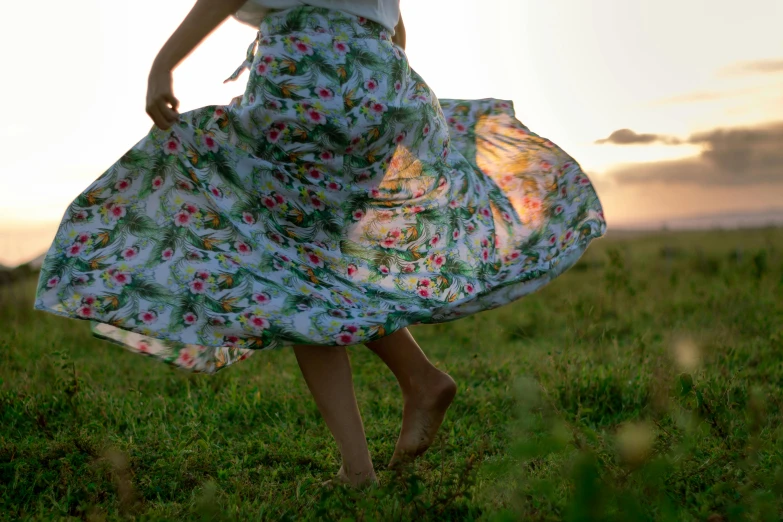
(577, 403)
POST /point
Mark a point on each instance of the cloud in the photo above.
(754, 67)
(738, 156)
(629, 137)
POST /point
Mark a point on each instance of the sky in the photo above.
(674, 108)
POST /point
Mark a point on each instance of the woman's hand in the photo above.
(161, 103)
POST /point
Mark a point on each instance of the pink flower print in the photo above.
(285, 258)
(435, 239)
(157, 182)
(202, 274)
(416, 209)
(424, 282)
(485, 242)
(219, 112)
(51, 283)
(86, 311)
(470, 227)
(408, 268)
(460, 128)
(148, 317)
(327, 155)
(167, 254)
(399, 138)
(426, 130)
(363, 176)
(564, 192)
(384, 269)
(185, 359)
(303, 48)
(279, 199)
(384, 216)
(261, 298)
(545, 165)
(485, 211)
(469, 288)
(182, 218)
(362, 20)
(569, 234)
(438, 260)
(315, 260)
(143, 347)
(269, 202)
(130, 253)
(248, 218)
(277, 238)
(397, 86)
(371, 85)
(274, 104)
(584, 181)
(243, 248)
(333, 185)
(191, 208)
(324, 93)
(89, 300)
(316, 116)
(83, 237)
(345, 338)
(388, 242)
(453, 203)
(258, 322)
(341, 47)
(358, 214)
(515, 255)
(273, 135)
(184, 185)
(262, 68)
(351, 328)
(506, 216)
(601, 214)
(396, 233)
(485, 254)
(172, 146)
(122, 278)
(217, 321)
(445, 152)
(190, 318)
(211, 143)
(122, 185)
(558, 210)
(455, 234)
(117, 211)
(377, 108)
(317, 203)
(424, 292)
(74, 250)
(80, 216)
(352, 269)
(268, 59)
(315, 173)
(231, 340)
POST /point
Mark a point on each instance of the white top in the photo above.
(385, 12)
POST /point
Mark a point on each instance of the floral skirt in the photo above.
(333, 203)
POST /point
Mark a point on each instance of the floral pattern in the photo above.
(336, 201)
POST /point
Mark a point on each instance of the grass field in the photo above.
(644, 384)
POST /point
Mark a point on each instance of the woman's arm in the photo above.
(399, 34)
(205, 16)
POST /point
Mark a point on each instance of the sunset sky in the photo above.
(674, 108)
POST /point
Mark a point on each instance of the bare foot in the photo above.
(422, 415)
(359, 480)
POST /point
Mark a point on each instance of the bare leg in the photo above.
(427, 393)
(327, 372)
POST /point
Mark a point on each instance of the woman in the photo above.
(335, 202)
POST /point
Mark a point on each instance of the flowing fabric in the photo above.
(333, 203)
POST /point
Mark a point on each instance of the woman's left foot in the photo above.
(422, 415)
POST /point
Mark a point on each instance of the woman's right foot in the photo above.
(422, 415)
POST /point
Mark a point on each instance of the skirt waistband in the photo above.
(304, 22)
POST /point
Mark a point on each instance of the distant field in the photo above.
(644, 384)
